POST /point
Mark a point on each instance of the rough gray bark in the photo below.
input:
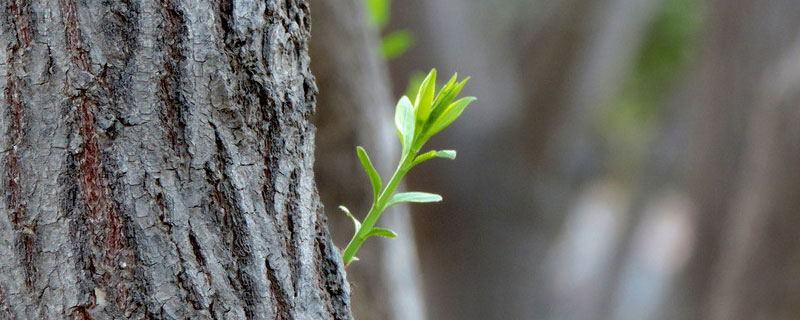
(356, 109)
(156, 161)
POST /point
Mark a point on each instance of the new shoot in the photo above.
(416, 123)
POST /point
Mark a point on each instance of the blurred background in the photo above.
(626, 159)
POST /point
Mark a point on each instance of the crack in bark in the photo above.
(27, 247)
(104, 221)
(68, 206)
(233, 227)
(25, 238)
(16, 131)
(226, 25)
(282, 301)
(18, 11)
(170, 84)
(291, 206)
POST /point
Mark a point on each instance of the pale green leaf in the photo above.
(449, 154)
(404, 121)
(355, 220)
(424, 100)
(419, 197)
(371, 172)
(382, 232)
(424, 157)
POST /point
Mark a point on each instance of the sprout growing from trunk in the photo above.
(416, 123)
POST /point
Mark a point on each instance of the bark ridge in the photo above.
(156, 162)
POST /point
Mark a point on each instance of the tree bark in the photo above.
(156, 162)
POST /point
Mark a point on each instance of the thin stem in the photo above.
(377, 209)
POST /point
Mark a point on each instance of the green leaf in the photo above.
(447, 95)
(371, 172)
(419, 197)
(355, 220)
(382, 232)
(424, 157)
(404, 121)
(424, 100)
(445, 91)
(445, 99)
(378, 12)
(449, 154)
(450, 114)
(396, 43)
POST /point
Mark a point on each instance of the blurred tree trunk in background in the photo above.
(761, 245)
(744, 168)
(539, 221)
(355, 108)
(506, 205)
(157, 163)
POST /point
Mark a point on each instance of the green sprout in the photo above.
(416, 123)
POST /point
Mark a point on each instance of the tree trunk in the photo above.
(744, 48)
(761, 246)
(157, 163)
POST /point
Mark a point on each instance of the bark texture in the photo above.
(156, 162)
